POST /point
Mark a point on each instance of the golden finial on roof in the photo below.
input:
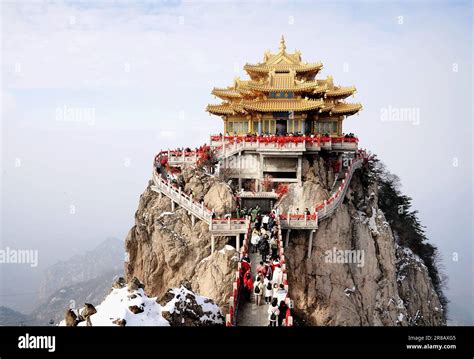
(282, 46)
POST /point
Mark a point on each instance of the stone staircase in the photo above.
(235, 226)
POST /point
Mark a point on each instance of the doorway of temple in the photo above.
(281, 127)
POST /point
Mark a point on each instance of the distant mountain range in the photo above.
(106, 257)
(73, 296)
(12, 317)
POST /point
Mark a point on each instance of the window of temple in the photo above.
(294, 126)
(325, 127)
(268, 126)
(240, 127)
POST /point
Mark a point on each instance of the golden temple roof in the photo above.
(226, 92)
(342, 108)
(269, 105)
(222, 109)
(282, 62)
(283, 67)
(285, 82)
(282, 82)
(341, 91)
(296, 105)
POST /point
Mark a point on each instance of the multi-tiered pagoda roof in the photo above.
(283, 82)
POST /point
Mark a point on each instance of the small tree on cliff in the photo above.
(207, 159)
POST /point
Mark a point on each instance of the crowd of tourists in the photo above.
(253, 136)
(266, 287)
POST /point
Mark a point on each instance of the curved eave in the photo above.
(263, 68)
(342, 92)
(220, 110)
(311, 88)
(282, 105)
(226, 94)
(346, 109)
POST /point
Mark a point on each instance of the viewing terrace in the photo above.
(229, 145)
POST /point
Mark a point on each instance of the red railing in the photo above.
(281, 251)
(298, 216)
(231, 317)
(284, 139)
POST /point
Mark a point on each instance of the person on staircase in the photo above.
(281, 293)
(269, 271)
(258, 291)
(273, 313)
(264, 247)
(275, 263)
(253, 214)
(275, 288)
(282, 308)
(265, 220)
(268, 291)
(248, 285)
(261, 269)
(255, 240)
(274, 247)
(245, 265)
(277, 276)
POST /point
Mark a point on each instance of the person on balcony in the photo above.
(307, 212)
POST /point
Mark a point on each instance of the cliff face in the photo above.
(164, 248)
(387, 284)
(390, 286)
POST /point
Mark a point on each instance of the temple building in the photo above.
(277, 118)
(282, 97)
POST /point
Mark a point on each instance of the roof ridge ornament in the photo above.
(282, 46)
(236, 82)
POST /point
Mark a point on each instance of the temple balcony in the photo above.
(229, 145)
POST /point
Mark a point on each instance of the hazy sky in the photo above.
(140, 74)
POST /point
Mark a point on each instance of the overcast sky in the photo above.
(141, 74)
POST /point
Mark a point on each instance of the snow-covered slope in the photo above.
(118, 305)
(132, 307)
